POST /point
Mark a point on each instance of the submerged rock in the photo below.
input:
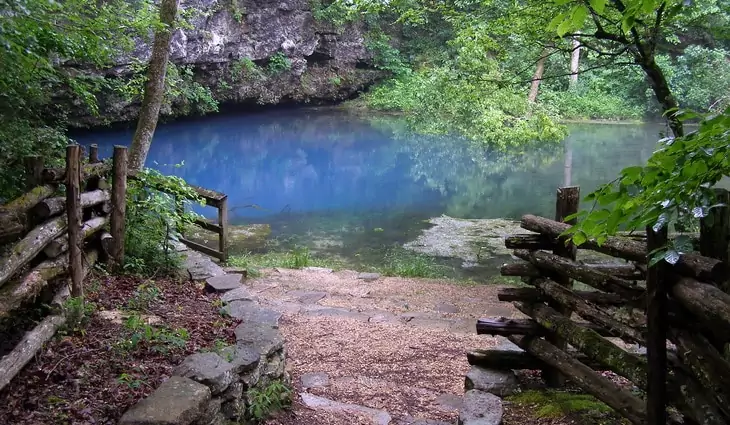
(472, 240)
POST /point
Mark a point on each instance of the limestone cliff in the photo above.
(252, 51)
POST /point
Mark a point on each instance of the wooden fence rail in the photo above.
(53, 241)
(681, 314)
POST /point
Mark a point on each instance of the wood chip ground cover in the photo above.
(92, 378)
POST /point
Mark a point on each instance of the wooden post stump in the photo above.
(656, 341)
(73, 210)
(119, 205)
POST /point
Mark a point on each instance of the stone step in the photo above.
(224, 283)
(379, 417)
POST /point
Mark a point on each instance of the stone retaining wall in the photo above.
(212, 388)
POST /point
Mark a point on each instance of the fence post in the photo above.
(33, 172)
(73, 210)
(715, 229)
(656, 340)
(94, 154)
(567, 202)
(119, 205)
(223, 223)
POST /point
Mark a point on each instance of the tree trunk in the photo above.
(574, 63)
(519, 360)
(31, 245)
(661, 89)
(537, 77)
(630, 406)
(154, 90)
(54, 206)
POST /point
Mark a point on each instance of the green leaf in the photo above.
(564, 27)
(579, 16)
(579, 238)
(598, 5)
(627, 23)
(553, 25)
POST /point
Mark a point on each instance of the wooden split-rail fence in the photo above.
(680, 313)
(48, 243)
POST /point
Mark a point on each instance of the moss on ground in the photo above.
(554, 404)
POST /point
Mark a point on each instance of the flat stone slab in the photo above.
(178, 401)
(208, 369)
(368, 277)
(335, 312)
(307, 297)
(201, 267)
(409, 420)
(239, 294)
(380, 417)
(242, 357)
(315, 380)
(251, 312)
(481, 408)
(263, 339)
(450, 401)
(498, 382)
(446, 308)
(224, 283)
(318, 269)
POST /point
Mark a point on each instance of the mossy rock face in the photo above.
(241, 238)
(555, 404)
(472, 240)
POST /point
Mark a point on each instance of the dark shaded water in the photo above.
(318, 174)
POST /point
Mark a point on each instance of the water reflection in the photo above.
(321, 164)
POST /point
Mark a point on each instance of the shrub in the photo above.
(279, 63)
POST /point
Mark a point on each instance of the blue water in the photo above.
(329, 172)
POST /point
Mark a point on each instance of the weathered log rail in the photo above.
(51, 239)
(683, 305)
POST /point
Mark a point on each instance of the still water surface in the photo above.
(322, 173)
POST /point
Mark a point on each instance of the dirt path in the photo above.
(362, 351)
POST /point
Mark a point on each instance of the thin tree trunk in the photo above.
(155, 88)
(574, 63)
(663, 93)
(537, 77)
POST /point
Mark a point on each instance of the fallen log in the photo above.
(580, 272)
(567, 298)
(532, 242)
(26, 289)
(55, 206)
(60, 245)
(107, 243)
(505, 327)
(532, 295)
(624, 271)
(13, 215)
(630, 406)
(58, 175)
(589, 342)
(12, 363)
(31, 245)
(518, 360)
(708, 302)
(691, 265)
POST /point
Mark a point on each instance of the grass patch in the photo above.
(553, 404)
(293, 259)
(404, 263)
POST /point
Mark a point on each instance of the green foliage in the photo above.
(131, 381)
(385, 56)
(555, 404)
(295, 258)
(156, 338)
(263, 402)
(188, 94)
(152, 218)
(335, 12)
(279, 63)
(78, 314)
(700, 78)
(237, 11)
(584, 103)
(404, 263)
(244, 67)
(674, 186)
(442, 100)
(145, 294)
